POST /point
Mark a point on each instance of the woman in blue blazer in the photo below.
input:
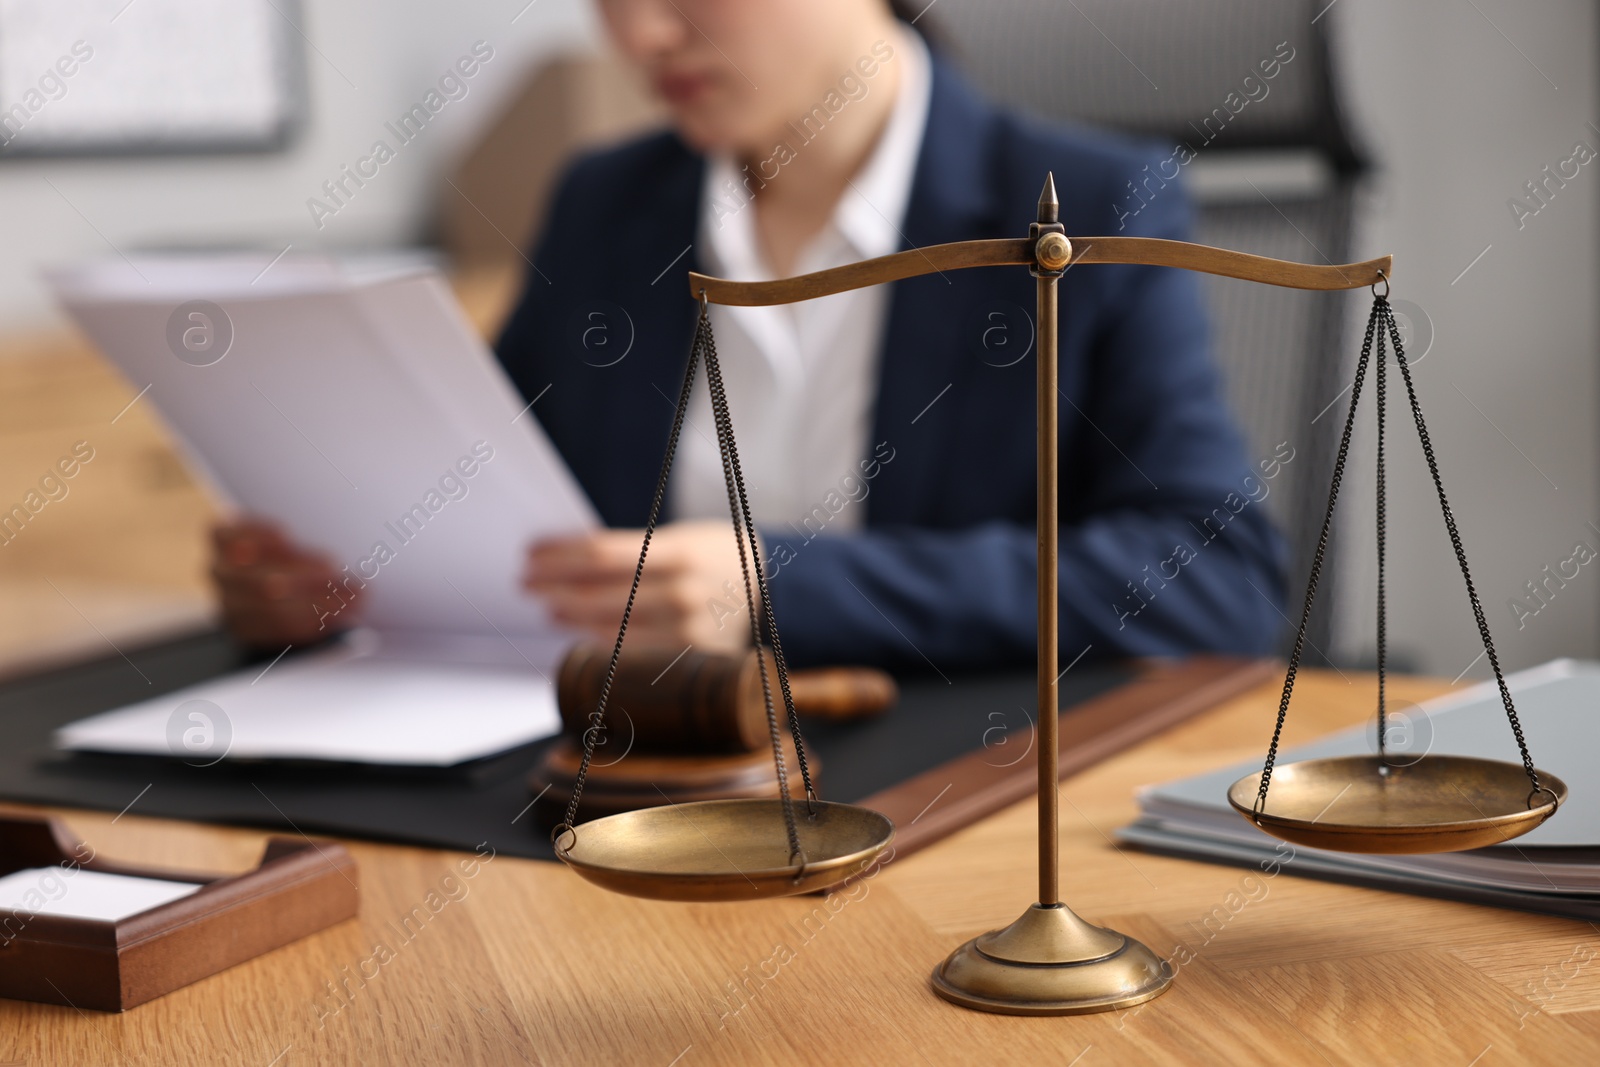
(925, 555)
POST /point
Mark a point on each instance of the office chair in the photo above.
(1276, 175)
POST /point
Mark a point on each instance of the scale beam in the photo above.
(1020, 252)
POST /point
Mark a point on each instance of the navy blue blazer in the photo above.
(1165, 545)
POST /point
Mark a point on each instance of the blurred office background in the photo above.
(185, 128)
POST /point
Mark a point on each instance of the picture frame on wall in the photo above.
(134, 77)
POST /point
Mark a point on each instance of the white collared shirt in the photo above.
(802, 379)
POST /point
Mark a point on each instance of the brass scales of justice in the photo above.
(1049, 961)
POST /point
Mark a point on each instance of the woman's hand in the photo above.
(692, 591)
(274, 592)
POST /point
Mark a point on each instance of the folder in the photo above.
(1554, 869)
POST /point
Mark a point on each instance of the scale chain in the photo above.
(598, 716)
(1383, 509)
(703, 347)
(1316, 560)
(1455, 540)
(1382, 324)
(739, 508)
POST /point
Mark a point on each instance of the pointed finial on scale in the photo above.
(1052, 251)
(1049, 206)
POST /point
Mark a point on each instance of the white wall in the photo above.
(1463, 104)
(367, 61)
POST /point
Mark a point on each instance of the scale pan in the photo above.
(1360, 804)
(717, 850)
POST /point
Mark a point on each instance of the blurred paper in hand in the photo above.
(355, 406)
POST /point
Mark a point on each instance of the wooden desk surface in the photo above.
(524, 963)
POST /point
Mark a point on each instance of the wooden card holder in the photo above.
(299, 888)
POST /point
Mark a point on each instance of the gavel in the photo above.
(690, 725)
(707, 702)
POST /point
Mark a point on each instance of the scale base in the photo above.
(1051, 962)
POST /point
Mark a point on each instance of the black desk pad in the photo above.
(936, 721)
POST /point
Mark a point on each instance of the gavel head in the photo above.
(668, 700)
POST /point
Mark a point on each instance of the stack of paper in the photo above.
(352, 403)
(384, 700)
(1555, 869)
(93, 894)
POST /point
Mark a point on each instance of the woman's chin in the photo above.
(712, 131)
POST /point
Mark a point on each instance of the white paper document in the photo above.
(354, 405)
(75, 893)
(351, 402)
(395, 701)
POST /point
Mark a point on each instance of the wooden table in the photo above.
(524, 963)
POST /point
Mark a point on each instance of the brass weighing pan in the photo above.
(1370, 803)
(725, 850)
(1362, 804)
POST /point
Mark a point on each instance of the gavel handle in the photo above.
(840, 693)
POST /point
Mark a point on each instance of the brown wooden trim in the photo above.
(299, 888)
(954, 795)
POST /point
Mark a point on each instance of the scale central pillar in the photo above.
(1050, 961)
